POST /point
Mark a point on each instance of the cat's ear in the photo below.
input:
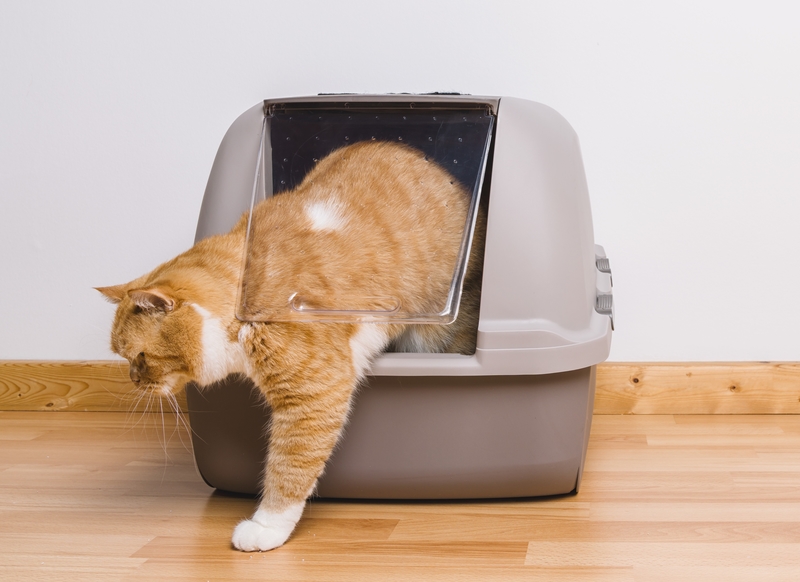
(114, 294)
(153, 299)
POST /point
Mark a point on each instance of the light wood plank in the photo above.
(97, 386)
(698, 388)
(622, 388)
(647, 554)
(714, 573)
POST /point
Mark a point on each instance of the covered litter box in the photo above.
(510, 420)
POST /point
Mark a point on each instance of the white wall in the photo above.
(688, 114)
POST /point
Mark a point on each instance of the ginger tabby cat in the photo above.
(177, 325)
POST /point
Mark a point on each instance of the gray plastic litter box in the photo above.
(510, 420)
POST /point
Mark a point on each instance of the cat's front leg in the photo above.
(293, 467)
(306, 422)
(303, 432)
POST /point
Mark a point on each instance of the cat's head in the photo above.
(159, 333)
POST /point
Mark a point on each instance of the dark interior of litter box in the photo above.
(301, 135)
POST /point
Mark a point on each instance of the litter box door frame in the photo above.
(295, 136)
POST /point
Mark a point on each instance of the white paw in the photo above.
(250, 536)
(266, 530)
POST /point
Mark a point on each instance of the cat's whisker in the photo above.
(172, 400)
(135, 406)
(189, 430)
(118, 399)
(163, 439)
(157, 415)
(180, 417)
(147, 412)
(136, 397)
(166, 410)
(168, 398)
(132, 400)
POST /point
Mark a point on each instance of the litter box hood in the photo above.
(546, 304)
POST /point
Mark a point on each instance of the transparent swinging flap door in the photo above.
(292, 280)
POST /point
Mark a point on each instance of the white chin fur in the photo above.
(221, 357)
(169, 384)
(266, 530)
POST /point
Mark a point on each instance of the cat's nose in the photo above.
(137, 368)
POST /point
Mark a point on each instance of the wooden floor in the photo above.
(101, 496)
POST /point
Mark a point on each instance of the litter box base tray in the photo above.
(466, 437)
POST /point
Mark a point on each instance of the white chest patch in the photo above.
(221, 356)
(325, 215)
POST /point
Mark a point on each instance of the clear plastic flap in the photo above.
(296, 137)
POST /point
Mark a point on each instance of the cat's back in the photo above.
(369, 219)
(383, 178)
